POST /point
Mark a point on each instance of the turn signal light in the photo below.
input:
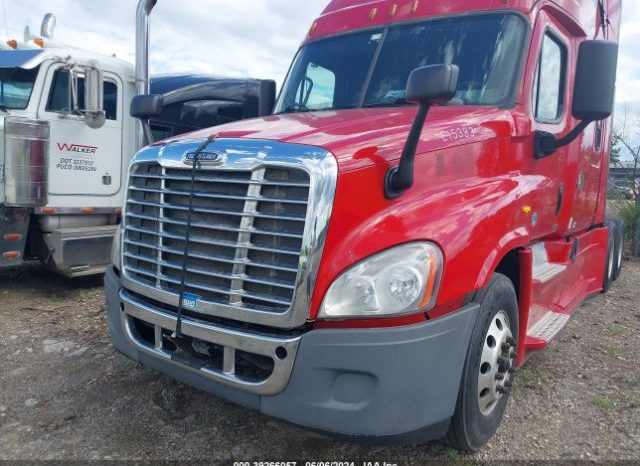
(11, 255)
(39, 42)
(49, 210)
(88, 210)
(12, 237)
(12, 43)
(430, 288)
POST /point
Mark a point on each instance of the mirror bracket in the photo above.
(399, 179)
(547, 144)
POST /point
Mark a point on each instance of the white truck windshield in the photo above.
(370, 68)
(16, 85)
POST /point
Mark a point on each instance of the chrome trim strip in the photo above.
(77, 211)
(250, 154)
(230, 340)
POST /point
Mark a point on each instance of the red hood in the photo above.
(360, 138)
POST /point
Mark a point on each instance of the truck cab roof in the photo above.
(33, 57)
(347, 15)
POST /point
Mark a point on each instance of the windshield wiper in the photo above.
(303, 110)
(395, 103)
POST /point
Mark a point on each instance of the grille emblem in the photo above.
(207, 157)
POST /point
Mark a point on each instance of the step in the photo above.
(548, 326)
(13, 236)
(543, 270)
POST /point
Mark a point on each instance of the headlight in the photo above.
(398, 281)
(116, 249)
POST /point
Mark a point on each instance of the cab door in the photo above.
(548, 97)
(82, 160)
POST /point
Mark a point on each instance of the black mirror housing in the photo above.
(593, 93)
(595, 84)
(432, 84)
(147, 106)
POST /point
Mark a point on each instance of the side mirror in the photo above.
(94, 113)
(593, 92)
(426, 86)
(434, 84)
(147, 106)
(595, 86)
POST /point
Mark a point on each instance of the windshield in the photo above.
(370, 68)
(16, 85)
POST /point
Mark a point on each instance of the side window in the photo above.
(548, 86)
(59, 95)
(317, 90)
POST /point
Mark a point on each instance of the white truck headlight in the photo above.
(397, 281)
(116, 249)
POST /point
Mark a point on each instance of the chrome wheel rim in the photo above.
(496, 363)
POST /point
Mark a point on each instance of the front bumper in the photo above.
(398, 384)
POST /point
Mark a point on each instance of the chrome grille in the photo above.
(247, 229)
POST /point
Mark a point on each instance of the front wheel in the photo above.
(489, 367)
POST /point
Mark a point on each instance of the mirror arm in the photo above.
(400, 178)
(146, 131)
(547, 143)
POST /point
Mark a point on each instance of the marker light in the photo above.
(397, 281)
(12, 43)
(39, 42)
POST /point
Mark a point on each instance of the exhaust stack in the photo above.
(48, 26)
(145, 7)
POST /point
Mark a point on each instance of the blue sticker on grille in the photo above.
(190, 301)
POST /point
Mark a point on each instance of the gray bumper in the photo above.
(397, 384)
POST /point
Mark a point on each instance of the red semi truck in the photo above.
(423, 211)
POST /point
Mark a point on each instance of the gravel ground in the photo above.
(66, 394)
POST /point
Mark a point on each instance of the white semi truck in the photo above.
(66, 138)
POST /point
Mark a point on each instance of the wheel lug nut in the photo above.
(499, 376)
(508, 384)
(511, 341)
(512, 370)
(505, 347)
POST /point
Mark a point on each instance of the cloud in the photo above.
(220, 37)
(256, 38)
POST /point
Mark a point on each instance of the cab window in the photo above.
(548, 86)
(59, 99)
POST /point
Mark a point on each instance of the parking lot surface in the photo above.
(65, 393)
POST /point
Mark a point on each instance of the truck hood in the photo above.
(359, 138)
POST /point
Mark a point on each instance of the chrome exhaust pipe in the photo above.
(48, 26)
(145, 7)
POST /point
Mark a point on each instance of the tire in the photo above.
(609, 264)
(476, 418)
(619, 248)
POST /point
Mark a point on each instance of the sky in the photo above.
(255, 38)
